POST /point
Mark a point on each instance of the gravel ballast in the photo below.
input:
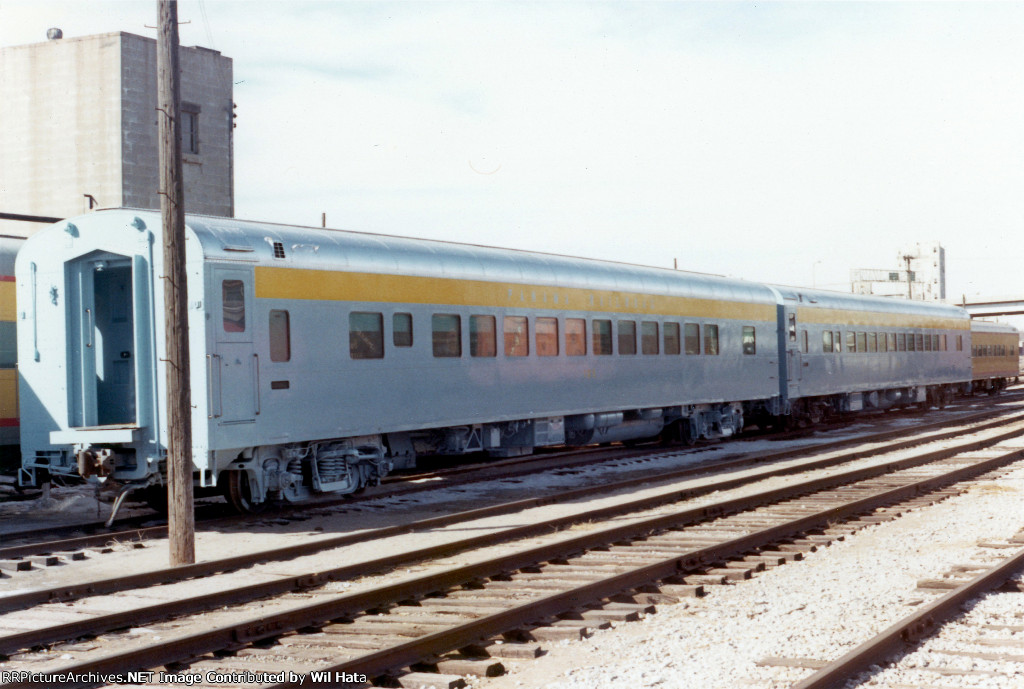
(819, 608)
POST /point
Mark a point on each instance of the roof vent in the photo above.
(54, 34)
(278, 250)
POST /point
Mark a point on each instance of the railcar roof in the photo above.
(323, 249)
(827, 299)
(992, 327)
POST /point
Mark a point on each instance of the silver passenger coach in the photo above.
(321, 360)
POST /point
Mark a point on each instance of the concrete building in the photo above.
(920, 273)
(78, 128)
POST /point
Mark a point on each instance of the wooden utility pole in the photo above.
(181, 516)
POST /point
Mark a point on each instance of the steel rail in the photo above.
(69, 592)
(481, 472)
(912, 629)
(252, 630)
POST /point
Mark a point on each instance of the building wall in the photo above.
(60, 122)
(78, 116)
(206, 82)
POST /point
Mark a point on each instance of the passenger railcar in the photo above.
(321, 360)
(9, 247)
(994, 356)
(847, 352)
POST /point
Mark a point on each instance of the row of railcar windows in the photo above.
(989, 350)
(366, 336)
(832, 341)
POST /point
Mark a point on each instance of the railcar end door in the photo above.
(794, 363)
(233, 368)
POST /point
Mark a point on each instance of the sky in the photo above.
(779, 142)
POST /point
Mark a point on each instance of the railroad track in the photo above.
(545, 586)
(27, 550)
(24, 559)
(944, 639)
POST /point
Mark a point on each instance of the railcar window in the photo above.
(959, 343)
(872, 342)
(803, 341)
(920, 341)
(672, 343)
(749, 340)
(935, 343)
(601, 332)
(401, 329)
(483, 336)
(280, 337)
(649, 338)
(862, 342)
(851, 342)
(910, 342)
(517, 336)
(927, 343)
(233, 300)
(366, 335)
(710, 339)
(792, 327)
(627, 337)
(837, 341)
(901, 342)
(547, 336)
(575, 336)
(883, 342)
(892, 342)
(691, 338)
(944, 342)
(826, 341)
(446, 334)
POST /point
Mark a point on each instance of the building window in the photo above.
(366, 335)
(280, 337)
(711, 339)
(401, 329)
(190, 128)
(691, 338)
(447, 335)
(547, 336)
(483, 336)
(575, 336)
(601, 332)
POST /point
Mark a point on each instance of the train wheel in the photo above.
(239, 493)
